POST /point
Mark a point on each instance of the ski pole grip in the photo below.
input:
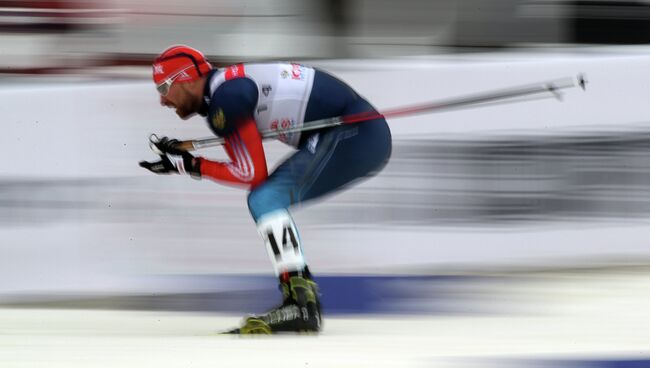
(186, 145)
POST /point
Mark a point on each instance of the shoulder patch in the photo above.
(219, 120)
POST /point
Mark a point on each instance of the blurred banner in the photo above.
(39, 36)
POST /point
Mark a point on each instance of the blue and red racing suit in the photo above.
(243, 100)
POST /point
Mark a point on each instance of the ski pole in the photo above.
(553, 87)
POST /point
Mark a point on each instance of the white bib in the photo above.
(284, 90)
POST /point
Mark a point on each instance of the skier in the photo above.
(239, 102)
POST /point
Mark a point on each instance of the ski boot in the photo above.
(300, 311)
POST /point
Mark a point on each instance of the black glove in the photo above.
(183, 164)
(166, 145)
(172, 159)
(164, 166)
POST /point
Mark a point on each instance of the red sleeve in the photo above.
(248, 165)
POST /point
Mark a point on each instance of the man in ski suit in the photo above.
(243, 100)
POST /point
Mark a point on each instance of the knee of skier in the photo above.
(263, 200)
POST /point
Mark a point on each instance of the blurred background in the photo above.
(535, 212)
(66, 33)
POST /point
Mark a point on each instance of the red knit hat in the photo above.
(182, 62)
